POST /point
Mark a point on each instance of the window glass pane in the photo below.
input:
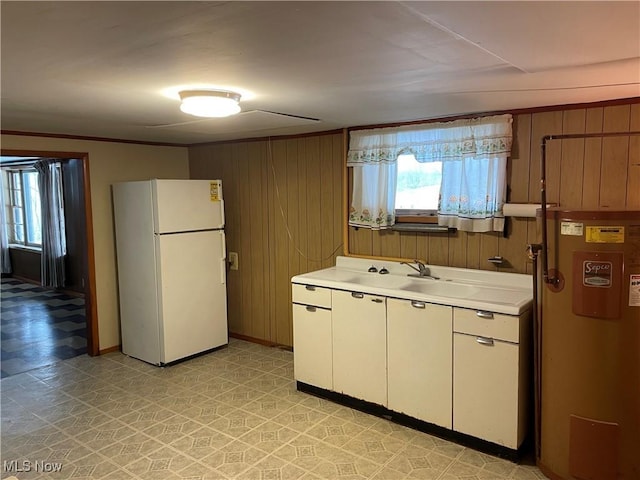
(418, 184)
(32, 208)
(17, 234)
(15, 187)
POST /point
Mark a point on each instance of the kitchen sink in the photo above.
(442, 288)
(383, 281)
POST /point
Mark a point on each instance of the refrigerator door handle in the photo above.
(223, 260)
(222, 212)
(224, 245)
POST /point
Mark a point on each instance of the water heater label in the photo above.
(596, 273)
(634, 290)
(572, 228)
(605, 235)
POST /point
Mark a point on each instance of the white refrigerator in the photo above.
(171, 259)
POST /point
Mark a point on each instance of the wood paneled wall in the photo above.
(581, 173)
(283, 206)
(283, 202)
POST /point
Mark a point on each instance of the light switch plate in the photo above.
(233, 260)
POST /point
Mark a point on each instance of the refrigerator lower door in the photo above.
(193, 298)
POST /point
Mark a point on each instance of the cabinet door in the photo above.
(485, 389)
(360, 346)
(312, 362)
(420, 360)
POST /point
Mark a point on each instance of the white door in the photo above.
(187, 205)
(312, 363)
(419, 342)
(485, 389)
(359, 329)
(193, 296)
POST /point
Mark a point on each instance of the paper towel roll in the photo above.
(520, 209)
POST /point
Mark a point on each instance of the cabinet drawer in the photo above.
(488, 324)
(311, 295)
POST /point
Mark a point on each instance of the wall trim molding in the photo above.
(91, 139)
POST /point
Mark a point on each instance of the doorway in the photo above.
(79, 233)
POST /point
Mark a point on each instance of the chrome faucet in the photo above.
(422, 269)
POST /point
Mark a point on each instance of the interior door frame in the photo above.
(91, 310)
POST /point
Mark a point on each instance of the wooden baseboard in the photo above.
(115, 348)
(260, 341)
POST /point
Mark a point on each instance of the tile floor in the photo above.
(231, 414)
(38, 327)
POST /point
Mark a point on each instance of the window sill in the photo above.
(28, 248)
(422, 227)
(431, 219)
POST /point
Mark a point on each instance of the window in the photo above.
(417, 186)
(22, 203)
(455, 170)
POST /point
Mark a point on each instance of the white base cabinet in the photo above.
(461, 369)
(312, 340)
(312, 358)
(360, 346)
(420, 360)
(490, 377)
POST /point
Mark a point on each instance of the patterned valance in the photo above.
(440, 141)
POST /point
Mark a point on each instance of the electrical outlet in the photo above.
(233, 260)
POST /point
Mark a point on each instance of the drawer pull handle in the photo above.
(416, 304)
(311, 309)
(483, 314)
(310, 288)
(377, 300)
(357, 295)
(485, 341)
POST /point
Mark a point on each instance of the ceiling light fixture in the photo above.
(210, 103)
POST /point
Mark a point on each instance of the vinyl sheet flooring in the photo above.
(231, 414)
(38, 326)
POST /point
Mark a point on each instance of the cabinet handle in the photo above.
(357, 295)
(311, 309)
(310, 287)
(485, 341)
(484, 314)
(377, 300)
(417, 304)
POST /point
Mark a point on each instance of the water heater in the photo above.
(590, 346)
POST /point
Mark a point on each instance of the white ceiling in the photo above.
(103, 69)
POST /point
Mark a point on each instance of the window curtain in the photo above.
(474, 175)
(373, 154)
(54, 246)
(5, 259)
(473, 153)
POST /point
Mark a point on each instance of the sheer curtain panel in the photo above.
(5, 259)
(474, 175)
(54, 247)
(373, 156)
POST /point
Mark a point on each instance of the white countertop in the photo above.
(508, 293)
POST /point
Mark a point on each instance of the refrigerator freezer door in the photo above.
(188, 205)
(193, 299)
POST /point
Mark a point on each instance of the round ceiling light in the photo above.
(209, 103)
